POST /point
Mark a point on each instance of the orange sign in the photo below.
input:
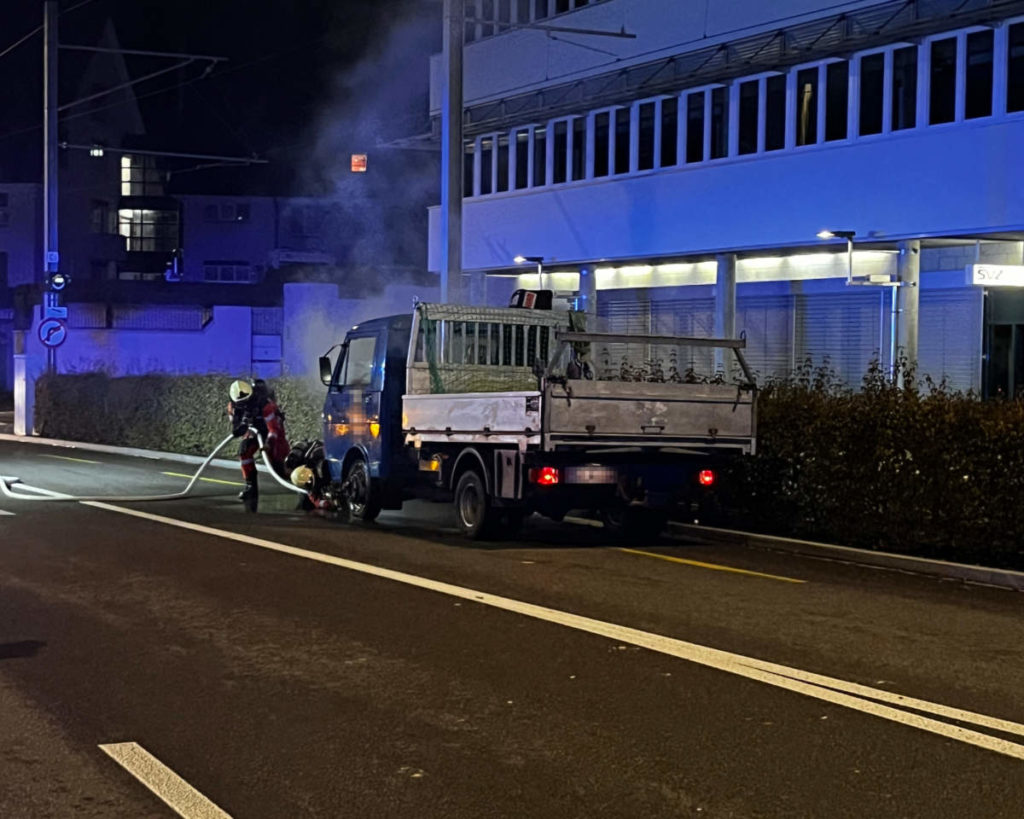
(358, 163)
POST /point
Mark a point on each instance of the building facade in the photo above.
(684, 160)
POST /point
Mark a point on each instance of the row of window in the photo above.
(149, 230)
(141, 177)
(949, 78)
(231, 271)
(485, 18)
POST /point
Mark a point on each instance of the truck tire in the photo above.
(474, 515)
(364, 495)
(633, 524)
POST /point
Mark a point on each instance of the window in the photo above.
(540, 9)
(601, 143)
(504, 13)
(359, 362)
(904, 88)
(872, 89)
(807, 106)
(622, 117)
(467, 169)
(775, 113)
(235, 272)
(470, 24)
(942, 99)
(837, 95)
(1015, 68)
(487, 14)
(140, 177)
(486, 160)
(540, 155)
(522, 11)
(579, 148)
(561, 149)
(749, 98)
(695, 127)
(645, 137)
(669, 131)
(502, 181)
(149, 230)
(522, 159)
(561, 6)
(979, 74)
(719, 123)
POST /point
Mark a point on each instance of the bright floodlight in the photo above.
(519, 259)
(836, 234)
(826, 234)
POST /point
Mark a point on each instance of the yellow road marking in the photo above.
(68, 458)
(208, 480)
(716, 567)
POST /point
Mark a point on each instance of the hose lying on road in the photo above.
(5, 482)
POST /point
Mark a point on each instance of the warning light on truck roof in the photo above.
(358, 163)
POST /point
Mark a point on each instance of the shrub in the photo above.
(917, 468)
(186, 414)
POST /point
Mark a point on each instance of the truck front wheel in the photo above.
(474, 514)
(364, 496)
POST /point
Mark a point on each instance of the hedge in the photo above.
(917, 468)
(169, 413)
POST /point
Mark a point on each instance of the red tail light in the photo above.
(544, 476)
(706, 477)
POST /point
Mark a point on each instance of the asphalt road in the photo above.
(284, 665)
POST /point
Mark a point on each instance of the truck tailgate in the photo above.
(649, 414)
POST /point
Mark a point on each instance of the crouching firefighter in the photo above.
(307, 467)
(252, 407)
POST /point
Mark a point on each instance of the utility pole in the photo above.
(451, 153)
(51, 252)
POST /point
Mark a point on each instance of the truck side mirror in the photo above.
(325, 369)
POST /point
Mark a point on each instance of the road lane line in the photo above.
(827, 689)
(68, 458)
(176, 793)
(714, 566)
(208, 480)
(5, 512)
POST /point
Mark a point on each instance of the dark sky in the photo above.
(306, 82)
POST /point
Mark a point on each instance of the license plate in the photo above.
(591, 474)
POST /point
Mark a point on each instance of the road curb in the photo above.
(152, 454)
(1004, 578)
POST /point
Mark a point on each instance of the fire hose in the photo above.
(7, 481)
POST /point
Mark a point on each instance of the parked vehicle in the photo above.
(511, 411)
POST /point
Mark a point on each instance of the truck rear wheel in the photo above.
(364, 497)
(474, 515)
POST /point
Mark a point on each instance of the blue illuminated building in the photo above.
(690, 168)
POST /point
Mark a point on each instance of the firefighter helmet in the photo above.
(240, 391)
(302, 476)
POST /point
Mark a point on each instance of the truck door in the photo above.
(352, 409)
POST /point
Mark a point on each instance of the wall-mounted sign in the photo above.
(996, 275)
(358, 163)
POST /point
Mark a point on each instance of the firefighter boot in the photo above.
(250, 496)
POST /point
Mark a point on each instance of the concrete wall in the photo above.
(899, 186)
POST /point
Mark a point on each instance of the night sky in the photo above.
(307, 83)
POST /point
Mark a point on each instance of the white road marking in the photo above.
(5, 512)
(181, 797)
(838, 692)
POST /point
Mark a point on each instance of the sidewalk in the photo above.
(1002, 578)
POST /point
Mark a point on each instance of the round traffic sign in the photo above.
(52, 332)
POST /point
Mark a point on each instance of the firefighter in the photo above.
(252, 407)
(308, 470)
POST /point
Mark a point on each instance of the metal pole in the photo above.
(894, 319)
(451, 153)
(540, 275)
(849, 260)
(51, 257)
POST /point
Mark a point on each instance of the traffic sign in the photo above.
(52, 332)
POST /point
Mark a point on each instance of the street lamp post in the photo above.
(894, 290)
(537, 260)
